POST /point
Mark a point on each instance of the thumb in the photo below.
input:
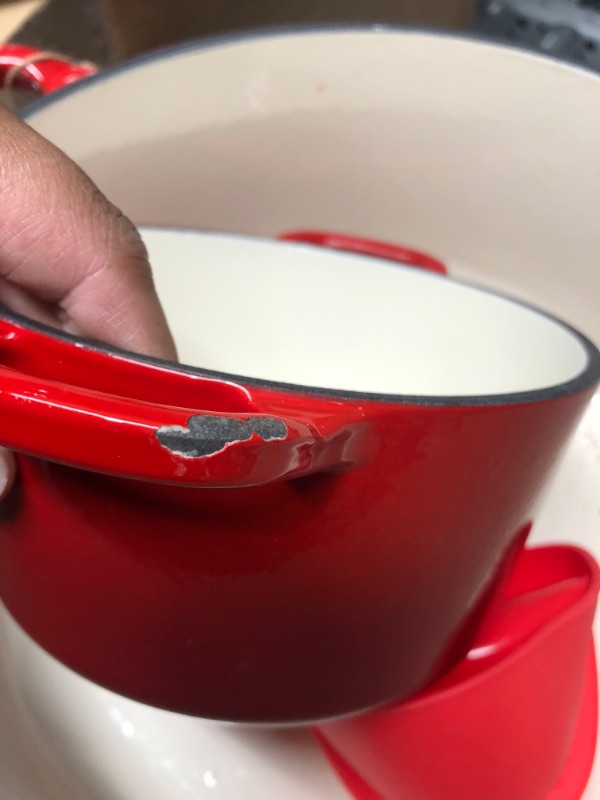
(65, 245)
(7, 471)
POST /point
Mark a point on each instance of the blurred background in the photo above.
(108, 30)
(104, 31)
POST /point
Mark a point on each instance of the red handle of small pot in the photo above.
(367, 247)
(138, 419)
(27, 69)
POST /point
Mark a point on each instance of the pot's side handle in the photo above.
(133, 439)
(149, 421)
(27, 69)
(367, 247)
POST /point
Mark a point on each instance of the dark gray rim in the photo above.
(587, 379)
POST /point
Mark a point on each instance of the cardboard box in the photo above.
(109, 30)
(138, 25)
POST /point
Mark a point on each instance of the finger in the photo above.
(24, 303)
(7, 471)
(62, 241)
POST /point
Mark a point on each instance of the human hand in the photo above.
(68, 257)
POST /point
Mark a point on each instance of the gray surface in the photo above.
(568, 29)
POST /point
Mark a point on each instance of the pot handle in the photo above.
(150, 438)
(27, 69)
(367, 247)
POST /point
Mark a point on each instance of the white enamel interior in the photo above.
(486, 157)
(305, 315)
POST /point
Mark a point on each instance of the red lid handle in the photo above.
(367, 247)
(27, 69)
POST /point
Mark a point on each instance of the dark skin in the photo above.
(68, 257)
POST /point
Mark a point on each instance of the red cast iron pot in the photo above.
(515, 720)
(266, 550)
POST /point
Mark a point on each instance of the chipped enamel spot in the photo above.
(206, 434)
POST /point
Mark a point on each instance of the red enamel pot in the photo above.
(307, 519)
(516, 719)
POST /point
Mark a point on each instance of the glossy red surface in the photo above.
(103, 395)
(367, 247)
(290, 600)
(28, 69)
(517, 718)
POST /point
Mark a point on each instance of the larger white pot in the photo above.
(485, 156)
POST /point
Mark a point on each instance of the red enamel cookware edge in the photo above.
(28, 69)
(150, 421)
